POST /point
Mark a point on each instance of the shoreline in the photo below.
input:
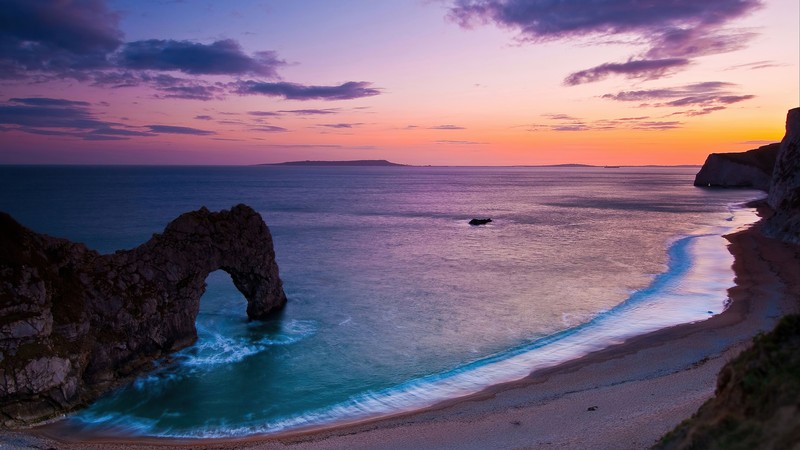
(640, 388)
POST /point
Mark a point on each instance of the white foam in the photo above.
(695, 283)
(214, 348)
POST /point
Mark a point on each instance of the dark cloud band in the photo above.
(295, 91)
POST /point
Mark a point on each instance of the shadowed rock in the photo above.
(784, 193)
(74, 323)
(752, 168)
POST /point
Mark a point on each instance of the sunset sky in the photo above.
(458, 82)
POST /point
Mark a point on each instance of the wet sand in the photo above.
(625, 396)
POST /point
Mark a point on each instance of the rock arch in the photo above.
(74, 323)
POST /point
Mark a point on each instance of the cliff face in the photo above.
(74, 323)
(752, 168)
(784, 193)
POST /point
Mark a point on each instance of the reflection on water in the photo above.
(395, 302)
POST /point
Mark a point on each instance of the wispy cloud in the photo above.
(447, 127)
(456, 142)
(756, 65)
(171, 129)
(263, 113)
(643, 69)
(341, 125)
(310, 112)
(62, 117)
(568, 123)
(673, 31)
(270, 129)
(706, 97)
(296, 91)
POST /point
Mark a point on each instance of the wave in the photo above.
(692, 288)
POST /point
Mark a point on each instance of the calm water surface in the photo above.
(394, 301)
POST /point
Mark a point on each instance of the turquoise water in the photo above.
(395, 302)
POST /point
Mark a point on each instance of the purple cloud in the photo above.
(49, 116)
(108, 131)
(643, 69)
(263, 113)
(203, 117)
(567, 123)
(544, 19)
(756, 65)
(674, 30)
(708, 96)
(447, 127)
(60, 117)
(178, 130)
(218, 58)
(55, 36)
(341, 125)
(448, 141)
(41, 101)
(310, 112)
(294, 91)
(42, 40)
(270, 129)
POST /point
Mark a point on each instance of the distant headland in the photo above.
(358, 162)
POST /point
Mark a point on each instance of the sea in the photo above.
(395, 302)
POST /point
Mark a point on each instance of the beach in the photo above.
(625, 396)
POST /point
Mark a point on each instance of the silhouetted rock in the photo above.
(479, 221)
(74, 323)
(752, 168)
(784, 193)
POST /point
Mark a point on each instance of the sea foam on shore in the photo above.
(692, 288)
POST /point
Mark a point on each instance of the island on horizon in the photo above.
(357, 162)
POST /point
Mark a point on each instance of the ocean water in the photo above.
(395, 302)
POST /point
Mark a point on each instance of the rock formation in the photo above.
(774, 168)
(784, 192)
(479, 221)
(74, 323)
(752, 168)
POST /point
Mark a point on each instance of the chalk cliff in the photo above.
(75, 323)
(784, 192)
(752, 168)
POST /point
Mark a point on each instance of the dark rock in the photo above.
(784, 193)
(74, 323)
(752, 169)
(479, 221)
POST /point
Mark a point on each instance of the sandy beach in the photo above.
(623, 397)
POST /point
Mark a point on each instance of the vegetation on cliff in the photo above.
(757, 401)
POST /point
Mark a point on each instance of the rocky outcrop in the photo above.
(784, 192)
(74, 323)
(479, 221)
(752, 169)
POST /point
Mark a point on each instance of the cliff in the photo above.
(757, 401)
(784, 192)
(752, 168)
(74, 323)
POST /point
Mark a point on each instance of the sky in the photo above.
(448, 82)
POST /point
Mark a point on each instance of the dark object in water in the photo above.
(479, 221)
